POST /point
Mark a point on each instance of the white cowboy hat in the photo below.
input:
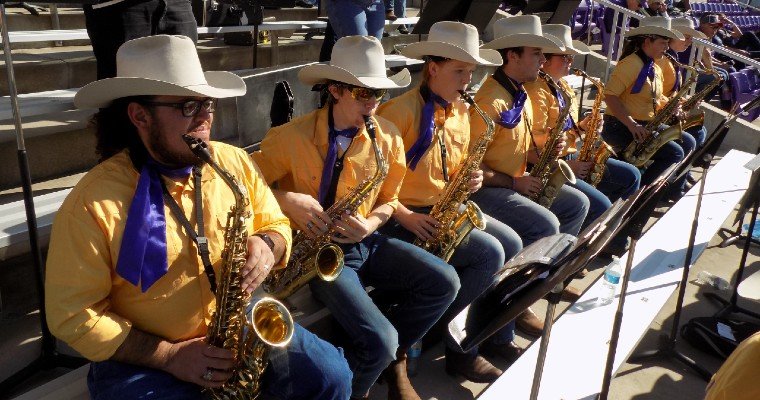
(454, 40)
(562, 32)
(160, 65)
(686, 27)
(655, 26)
(355, 60)
(523, 31)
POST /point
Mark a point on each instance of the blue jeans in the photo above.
(704, 79)
(356, 17)
(620, 180)
(421, 285)
(308, 368)
(476, 260)
(699, 133)
(598, 202)
(619, 137)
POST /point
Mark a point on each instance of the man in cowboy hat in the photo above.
(319, 158)
(434, 124)
(620, 179)
(634, 94)
(125, 284)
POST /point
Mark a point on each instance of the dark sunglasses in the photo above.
(365, 94)
(189, 108)
(566, 57)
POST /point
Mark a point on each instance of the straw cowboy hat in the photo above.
(161, 65)
(686, 27)
(655, 26)
(355, 60)
(523, 31)
(454, 40)
(562, 32)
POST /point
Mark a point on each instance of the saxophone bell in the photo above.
(328, 262)
(272, 322)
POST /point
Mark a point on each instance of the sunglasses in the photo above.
(566, 57)
(189, 108)
(364, 94)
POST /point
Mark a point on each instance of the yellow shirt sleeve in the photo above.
(271, 158)
(77, 286)
(545, 110)
(396, 160)
(623, 76)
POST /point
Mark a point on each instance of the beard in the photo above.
(160, 145)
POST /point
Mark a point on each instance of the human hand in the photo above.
(580, 168)
(191, 361)
(422, 225)
(352, 228)
(639, 132)
(527, 185)
(306, 213)
(258, 264)
(476, 181)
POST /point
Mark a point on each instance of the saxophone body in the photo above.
(638, 153)
(457, 216)
(248, 335)
(594, 149)
(550, 168)
(695, 116)
(318, 257)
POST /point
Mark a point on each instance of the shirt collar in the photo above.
(321, 129)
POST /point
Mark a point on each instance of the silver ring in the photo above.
(309, 225)
(208, 375)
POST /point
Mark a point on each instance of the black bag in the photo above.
(709, 334)
(281, 111)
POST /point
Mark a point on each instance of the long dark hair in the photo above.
(634, 43)
(114, 131)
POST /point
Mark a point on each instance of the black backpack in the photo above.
(717, 336)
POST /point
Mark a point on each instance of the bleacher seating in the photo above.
(745, 86)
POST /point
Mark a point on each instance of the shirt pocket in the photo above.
(457, 148)
(307, 179)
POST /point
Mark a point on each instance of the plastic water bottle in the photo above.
(705, 278)
(413, 358)
(610, 282)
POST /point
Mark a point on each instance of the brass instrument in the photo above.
(550, 168)
(248, 336)
(319, 257)
(638, 153)
(696, 117)
(457, 216)
(594, 149)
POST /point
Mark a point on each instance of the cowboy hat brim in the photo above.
(577, 49)
(547, 44)
(418, 50)
(685, 30)
(321, 73)
(655, 30)
(101, 93)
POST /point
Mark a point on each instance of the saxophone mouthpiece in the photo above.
(576, 71)
(466, 96)
(198, 147)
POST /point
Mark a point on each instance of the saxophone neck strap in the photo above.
(199, 237)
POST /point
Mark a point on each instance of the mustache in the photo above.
(203, 124)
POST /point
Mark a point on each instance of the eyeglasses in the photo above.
(566, 57)
(364, 94)
(189, 108)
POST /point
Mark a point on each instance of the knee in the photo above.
(379, 345)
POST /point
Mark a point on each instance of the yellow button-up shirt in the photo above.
(546, 112)
(508, 151)
(424, 185)
(737, 377)
(90, 307)
(293, 155)
(639, 105)
(668, 75)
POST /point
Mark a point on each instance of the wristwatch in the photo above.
(268, 240)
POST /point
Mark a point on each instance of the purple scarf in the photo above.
(647, 71)
(510, 118)
(680, 73)
(427, 124)
(142, 257)
(332, 154)
(561, 103)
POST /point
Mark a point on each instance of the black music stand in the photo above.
(751, 200)
(49, 357)
(542, 268)
(735, 236)
(474, 12)
(701, 159)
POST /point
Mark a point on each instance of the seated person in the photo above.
(736, 379)
(125, 284)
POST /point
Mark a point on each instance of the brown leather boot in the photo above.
(399, 386)
(529, 323)
(476, 369)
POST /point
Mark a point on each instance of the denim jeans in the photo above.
(397, 6)
(704, 79)
(308, 368)
(109, 27)
(422, 287)
(618, 136)
(598, 202)
(356, 17)
(620, 180)
(699, 133)
(476, 260)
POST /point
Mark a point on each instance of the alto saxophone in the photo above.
(248, 336)
(695, 116)
(550, 168)
(594, 149)
(319, 257)
(457, 216)
(638, 153)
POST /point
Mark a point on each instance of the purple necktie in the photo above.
(427, 124)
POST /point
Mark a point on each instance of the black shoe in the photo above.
(402, 30)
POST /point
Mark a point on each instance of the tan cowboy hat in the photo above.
(523, 31)
(355, 60)
(161, 65)
(562, 32)
(454, 40)
(686, 27)
(655, 26)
